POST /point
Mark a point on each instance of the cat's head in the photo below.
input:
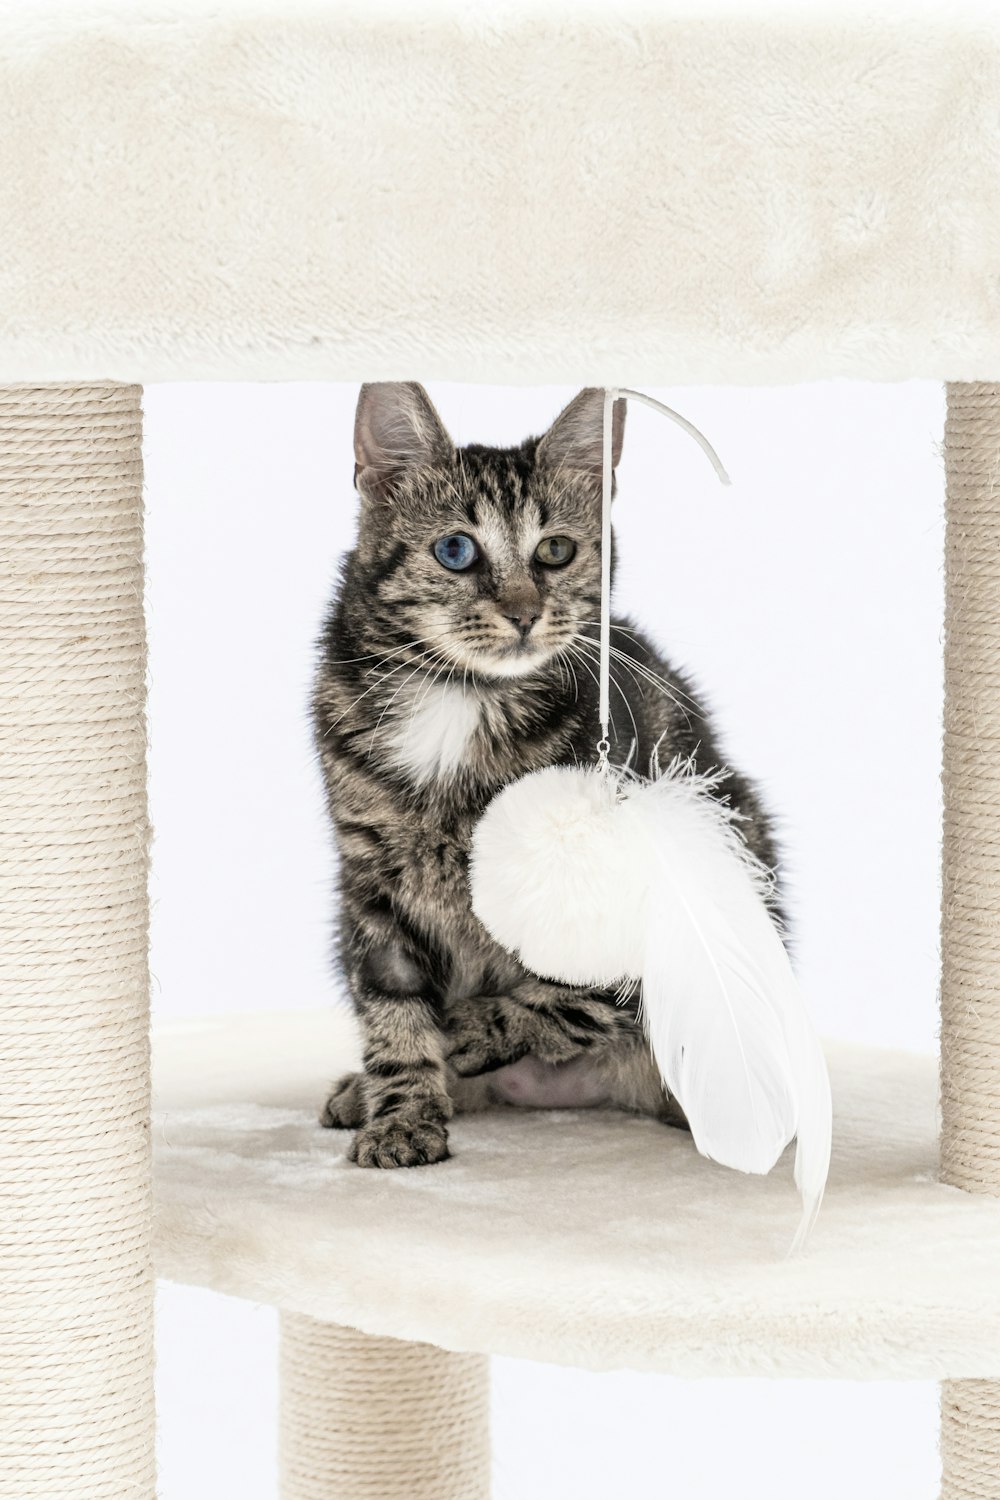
(489, 559)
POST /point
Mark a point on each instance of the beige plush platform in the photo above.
(575, 190)
(588, 1239)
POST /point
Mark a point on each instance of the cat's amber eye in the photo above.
(555, 551)
(456, 552)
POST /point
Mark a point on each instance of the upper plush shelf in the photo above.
(622, 193)
(592, 1239)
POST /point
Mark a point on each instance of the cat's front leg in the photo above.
(403, 1087)
(344, 1109)
(401, 1105)
(552, 1022)
(486, 1032)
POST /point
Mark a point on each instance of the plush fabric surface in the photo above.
(571, 191)
(590, 1239)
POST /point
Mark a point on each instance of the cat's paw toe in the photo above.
(400, 1143)
(345, 1108)
(467, 1049)
(468, 1060)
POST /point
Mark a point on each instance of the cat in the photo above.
(459, 653)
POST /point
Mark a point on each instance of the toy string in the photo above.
(611, 395)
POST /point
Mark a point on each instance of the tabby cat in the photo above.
(460, 652)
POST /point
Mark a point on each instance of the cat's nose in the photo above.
(524, 619)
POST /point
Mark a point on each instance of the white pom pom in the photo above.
(556, 879)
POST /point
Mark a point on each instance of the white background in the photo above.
(807, 602)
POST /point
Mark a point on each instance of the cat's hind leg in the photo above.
(634, 1084)
(345, 1107)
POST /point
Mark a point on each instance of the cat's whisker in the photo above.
(634, 751)
(640, 672)
(420, 695)
(407, 646)
(448, 680)
(624, 697)
(429, 658)
(576, 683)
(346, 661)
(370, 689)
(585, 663)
(420, 666)
(673, 688)
(595, 659)
(469, 671)
(656, 686)
(564, 656)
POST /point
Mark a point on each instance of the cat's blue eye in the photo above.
(456, 552)
(555, 551)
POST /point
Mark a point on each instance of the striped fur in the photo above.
(428, 700)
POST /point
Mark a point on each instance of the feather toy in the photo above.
(596, 876)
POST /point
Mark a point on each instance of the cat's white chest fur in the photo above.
(434, 731)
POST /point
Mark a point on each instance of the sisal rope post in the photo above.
(970, 922)
(76, 1287)
(367, 1418)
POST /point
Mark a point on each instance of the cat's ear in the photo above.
(576, 438)
(396, 428)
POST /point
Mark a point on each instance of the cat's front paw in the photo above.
(478, 1037)
(345, 1108)
(401, 1141)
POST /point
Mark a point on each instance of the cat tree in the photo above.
(337, 192)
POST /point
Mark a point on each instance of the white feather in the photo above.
(724, 1014)
(592, 879)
